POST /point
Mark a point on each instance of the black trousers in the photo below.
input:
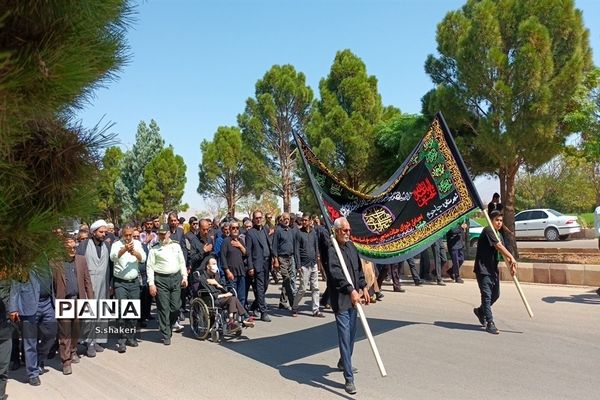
(489, 286)
(260, 286)
(145, 301)
(5, 348)
(413, 269)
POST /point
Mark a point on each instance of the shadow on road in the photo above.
(281, 351)
(466, 327)
(586, 298)
(458, 325)
(314, 375)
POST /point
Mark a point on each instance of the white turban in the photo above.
(94, 227)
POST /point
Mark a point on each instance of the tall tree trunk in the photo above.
(231, 204)
(286, 181)
(230, 197)
(507, 195)
(287, 197)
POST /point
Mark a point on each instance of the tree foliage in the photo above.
(562, 184)
(109, 204)
(396, 138)
(342, 130)
(52, 57)
(148, 144)
(267, 203)
(587, 119)
(228, 168)
(506, 78)
(164, 182)
(281, 106)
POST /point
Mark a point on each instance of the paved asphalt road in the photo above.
(561, 244)
(430, 341)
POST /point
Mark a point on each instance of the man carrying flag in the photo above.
(345, 295)
(486, 270)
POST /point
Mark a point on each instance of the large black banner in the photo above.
(429, 192)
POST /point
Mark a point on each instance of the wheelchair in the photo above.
(207, 318)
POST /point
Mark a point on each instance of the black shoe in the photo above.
(42, 368)
(121, 348)
(418, 283)
(35, 381)
(167, 341)
(479, 315)
(340, 366)
(283, 307)
(440, 283)
(349, 387)
(265, 318)
(132, 343)
(459, 280)
(400, 290)
(491, 328)
(379, 296)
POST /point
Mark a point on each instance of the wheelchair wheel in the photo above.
(200, 319)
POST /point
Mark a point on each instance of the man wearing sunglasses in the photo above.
(258, 247)
(345, 295)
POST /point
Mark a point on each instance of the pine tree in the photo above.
(148, 144)
(506, 78)
(164, 183)
(52, 56)
(109, 204)
(342, 130)
(281, 106)
(229, 169)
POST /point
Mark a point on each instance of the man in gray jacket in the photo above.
(32, 302)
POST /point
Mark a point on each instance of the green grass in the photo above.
(586, 220)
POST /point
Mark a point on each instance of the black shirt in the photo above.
(486, 259)
(232, 258)
(283, 241)
(455, 238)
(338, 286)
(263, 238)
(324, 241)
(306, 248)
(70, 280)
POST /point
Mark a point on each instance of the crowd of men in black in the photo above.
(101, 264)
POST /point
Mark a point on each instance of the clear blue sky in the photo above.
(194, 63)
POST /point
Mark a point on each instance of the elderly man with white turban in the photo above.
(94, 254)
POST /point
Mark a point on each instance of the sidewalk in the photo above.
(539, 272)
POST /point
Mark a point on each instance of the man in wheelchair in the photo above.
(213, 301)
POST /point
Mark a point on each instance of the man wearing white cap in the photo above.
(94, 254)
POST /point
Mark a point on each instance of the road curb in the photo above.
(559, 274)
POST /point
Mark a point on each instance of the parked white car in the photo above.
(546, 223)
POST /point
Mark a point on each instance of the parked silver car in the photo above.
(546, 223)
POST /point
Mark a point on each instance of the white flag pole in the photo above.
(514, 277)
(361, 313)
